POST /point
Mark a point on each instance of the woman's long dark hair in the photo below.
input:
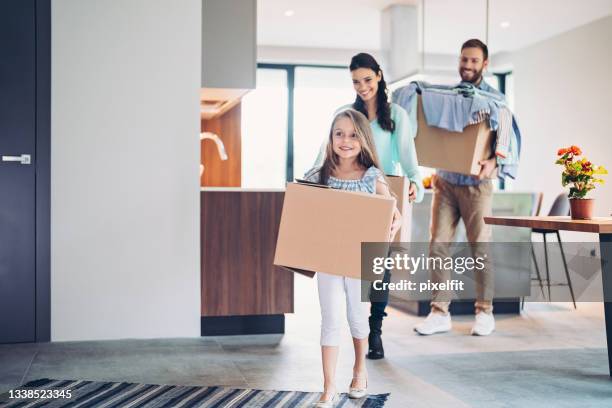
(383, 107)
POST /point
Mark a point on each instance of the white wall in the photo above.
(125, 163)
(563, 96)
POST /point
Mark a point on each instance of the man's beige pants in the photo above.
(472, 204)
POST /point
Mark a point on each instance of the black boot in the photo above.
(375, 345)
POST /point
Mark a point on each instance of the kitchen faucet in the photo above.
(218, 142)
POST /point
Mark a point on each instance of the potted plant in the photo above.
(581, 175)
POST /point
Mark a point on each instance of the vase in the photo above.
(581, 208)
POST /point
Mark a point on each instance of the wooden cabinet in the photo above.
(229, 43)
(238, 240)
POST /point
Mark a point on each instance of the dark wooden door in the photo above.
(17, 171)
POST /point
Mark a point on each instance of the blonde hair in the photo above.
(367, 156)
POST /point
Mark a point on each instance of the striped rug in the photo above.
(132, 395)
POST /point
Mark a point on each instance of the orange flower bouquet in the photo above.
(582, 175)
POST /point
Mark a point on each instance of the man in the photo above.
(458, 196)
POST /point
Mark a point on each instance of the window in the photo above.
(287, 118)
(509, 91)
(264, 131)
(319, 92)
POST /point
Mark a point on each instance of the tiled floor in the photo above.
(551, 355)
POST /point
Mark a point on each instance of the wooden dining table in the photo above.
(597, 225)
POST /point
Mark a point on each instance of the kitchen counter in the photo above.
(504, 203)
(242, 291)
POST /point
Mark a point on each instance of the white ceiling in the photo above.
(351, 24)
(355, 24)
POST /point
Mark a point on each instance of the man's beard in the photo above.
(476, 77)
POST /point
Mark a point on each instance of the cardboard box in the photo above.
(452, 151)
(321, 229)
(400, 186)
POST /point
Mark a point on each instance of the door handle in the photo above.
(23, 159)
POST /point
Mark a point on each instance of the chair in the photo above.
(560, 207)
(536, 211)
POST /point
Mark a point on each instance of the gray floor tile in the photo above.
(15, 361)
(165, 361)
(550, 355)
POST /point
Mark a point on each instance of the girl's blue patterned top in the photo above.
(366, 184)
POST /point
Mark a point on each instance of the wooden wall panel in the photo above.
(217, 172)
(238, 240)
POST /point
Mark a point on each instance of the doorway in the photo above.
(25, 117)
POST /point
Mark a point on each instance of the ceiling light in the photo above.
(505, 24)
(289, 13)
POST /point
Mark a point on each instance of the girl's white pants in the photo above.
(333, 292)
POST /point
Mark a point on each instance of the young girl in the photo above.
(350, 163)
(394, 141)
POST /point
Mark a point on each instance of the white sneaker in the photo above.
(484, 324)
(434, 323)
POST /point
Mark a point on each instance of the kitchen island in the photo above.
(242, 292)
(504, 203)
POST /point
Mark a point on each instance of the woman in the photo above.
(394, 143)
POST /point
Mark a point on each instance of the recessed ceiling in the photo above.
(356, 24)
